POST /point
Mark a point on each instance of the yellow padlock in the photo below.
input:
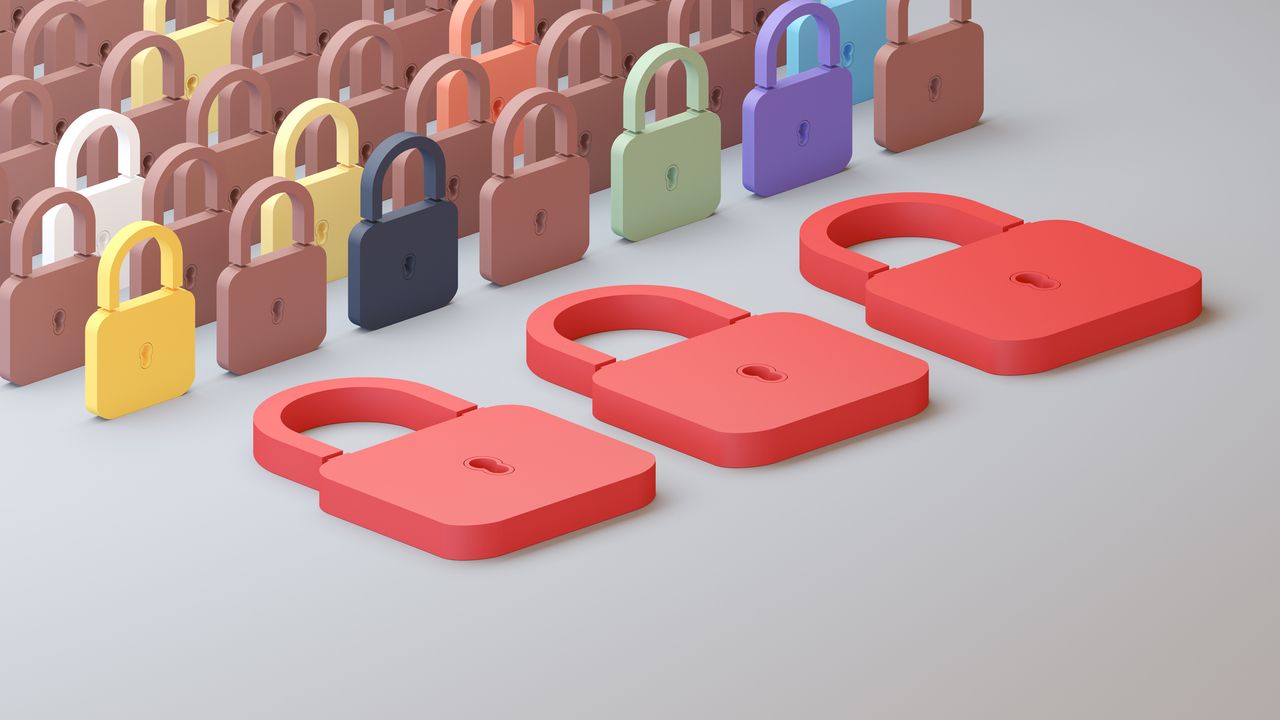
(141, 352)
(206, 46)
(336, 191)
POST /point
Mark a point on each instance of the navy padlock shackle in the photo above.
(380, 163)
(775, 28)
(897, 20)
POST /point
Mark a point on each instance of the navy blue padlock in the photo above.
(402, 263)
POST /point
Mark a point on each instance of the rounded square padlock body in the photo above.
(730, 62)
(141, 354)
(243, 161)
(273, 310)
(116, 203)
(489, 482)
(797, 132)
(466, 149)
(598, 107)
(511, 68)
(161, 125)
(292, 80)
(642, 25)
(74, 91)
(379, 115)
(204, 257)
(42, 319)
(862, 34)
(28, 169)
(535, 221)
(336, 194)
(667, 176)
(1033, 298)
(929, 88)
(766, 388)
(205, 46)
(404, 265)
(423, 36)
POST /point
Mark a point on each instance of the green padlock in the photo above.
(667, 174)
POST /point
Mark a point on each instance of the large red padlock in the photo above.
(466, 146)
(43, 310)
(743, 390)
(29, 144)
(730, 62)
(421, 27)
(284, 31)
(245, 158)
(468, 483)
(74, 87)
(1014, 299)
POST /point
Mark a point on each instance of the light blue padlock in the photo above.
(862, 33)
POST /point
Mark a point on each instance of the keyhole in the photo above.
(540, 222)
(59, 128)
(540, 30)
(192, 82)
(489, 465)
(1037, 280)
(628, 61)
(717, 94)
(322, 232)
(17, 17)
(365, 151)
(763, 373)
(277, 311)
(497, 106)
(846, 54)
(451, 188)
(759, 18)
(104, 237)
(278, 118)
(935, 88)
(673, 177)
(104, 50)
(584, 144)
(147, 161)
(236, 5)
(59, 321)
(234, 196)
(802, 133)
(15, 207)
(409, 72)
(189, 277)
(323, 38)
(146, 355)
(409, 265)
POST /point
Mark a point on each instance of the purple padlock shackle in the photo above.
(776, 24)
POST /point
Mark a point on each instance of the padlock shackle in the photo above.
(114, 255)
(380, 162)
(278, 423)
(420, 103)
(42, 131)
(825, 236)
(154, 11)
(503, 162)
(697, 87)
(112, 83)
(340, 51)
(551, 333)
(680, 19)
(22, 245)
(285, 150)
(255, 18)
(246, 218)
(217, 83)
(29, 33)
(67, 154)
(896, 20)
(164, 177)
(523, 21)
(775, 28)
(577, 23)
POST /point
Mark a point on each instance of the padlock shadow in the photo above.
(984, 124)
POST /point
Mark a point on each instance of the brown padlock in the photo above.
(271, 308)
(595, 90)
(928, 85)
(109, 22)
(43, 310)
(245, 158)
(74, 88)
(200, 220)
(285, 32)
(466, 146)
(713, 23)
(420, 26)
(730, 62)
(27, 161)
(332, 16)
(534, 219)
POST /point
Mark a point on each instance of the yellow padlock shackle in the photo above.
(285, 151)
(154, 11)
(117, 251)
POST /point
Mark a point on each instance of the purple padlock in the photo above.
(800, 128)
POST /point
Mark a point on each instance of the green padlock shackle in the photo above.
(696, 84)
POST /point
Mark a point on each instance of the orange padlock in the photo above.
(511, 68)
(245, 158)
(284, 31)
(73, 88)
(28, 163)
(730, 62)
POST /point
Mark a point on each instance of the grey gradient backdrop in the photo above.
(1094, 542)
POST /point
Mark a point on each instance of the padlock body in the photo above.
(42, 319)
(336, 194)
(666, 176)
(74, 91)
(930, 87)
(379, 115)
(510, 68)
(1035, 297)
(161, 125)
(642, 24)
(28, 170)
(862, 34)
(466, 151)
(424, 488)
(730, 62)
(109, 21)
(243, 161)
(796, 132)
(204, 257)
(272, 310)
(116, 203)
(404, 265)
(535, 221)
(423, 36)
(598, 106)
(206, 46)
(292, 80)
(766, 388)
(332, 16)
(141, 354)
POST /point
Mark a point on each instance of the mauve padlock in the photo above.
(245, 158)
(730, 59)
(713, 23)
(271, 308)
(420, 26)
(74, 89)
(110, 21)
(27, 161)
(285, 30)
(332, 16)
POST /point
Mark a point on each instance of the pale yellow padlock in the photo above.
(139, 352)
(206, 46)
(336, 191)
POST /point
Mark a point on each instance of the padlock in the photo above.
(1014, 299)
(290, 60)
(141, 352)
(468, 483)
(270, 308)
(466, 147)
(421, 28)
(332, 16)
(713, 22)
(511, 68)
(798, 129)
(665, 175)
(403, 263)
(729, 59)
(741, 391)
(43, 310)
(245, 158)
(534, 219)
(928, 85)
(595, 90)
(642, 24)
(335, 192)
(496, 18)
(110, 21)
(862, 34)
(28, 163)
(206, 46)
(201, 221)
(74, 88)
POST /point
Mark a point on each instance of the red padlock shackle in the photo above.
(164, 178)
(42, 131)
(525, 102)
(551, 333)
(255, 14)
(896, 26)
(246, 218)
(115, 71)
(22, 245)
(278, 423)
(213, 85)
(423, 91)
(563, 30)
(23, 57)
(826, 263)
(340, 49)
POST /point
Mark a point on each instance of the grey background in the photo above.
(1094, 542)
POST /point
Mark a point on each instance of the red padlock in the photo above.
(27, 161)
(245, 158)
(73, 88)
(1014, 299)
(468, 483)
(285, 32)
(742, 391)
(421, 28)
(730, 62)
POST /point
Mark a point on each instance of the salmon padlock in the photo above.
(1015, 298)
(27, 166)
(73, 88)
(534, 219)
(742, 391)
(285, 32)
(511, 68)
(205, 45)
(43, 310)
(244, 158)
(495, 26)
(468, 483)
(421, 28)
(270, 308)
(928, 85)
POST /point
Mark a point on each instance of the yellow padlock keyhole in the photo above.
(205, 46)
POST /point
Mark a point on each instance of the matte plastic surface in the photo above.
(511, 68)
(27, 164)
(73, 87)
(290, 60)
(206, 46)
(862, 34)
(245, 158)
(729, 60)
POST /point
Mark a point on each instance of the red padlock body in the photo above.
(598, 106)
(535, 221)
(466, 150)
(42, 319)
(766, 388)
(929, 88)
(109, 21)
(244, 160)
(204, 257)
(510, 68)
(161, 125)
(272, 310)
(730, 74)
(1035, 297)
(292, 80)
(423, 36)
(74, 91)
(494, 30)
(332, 16)
(425, 489)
